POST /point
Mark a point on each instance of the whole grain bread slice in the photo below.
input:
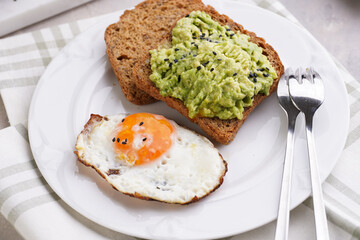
(138, 31)
(222, 131)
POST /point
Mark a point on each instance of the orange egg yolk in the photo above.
(142, 137)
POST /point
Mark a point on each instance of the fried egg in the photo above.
(150, 157)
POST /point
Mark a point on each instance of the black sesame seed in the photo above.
(255, 75)
(228, 29)
(266, 75)
(192, 42)
(166, 59)
(118, 140)
(252, 97)
(141, 123)
(187, 15)
(183, 56)
(144, 139)
(214, 53)
(212, 69)
(176, 49)
(123, 120)
(194, 55)
(179, 78)
(170, 64)
(210, 34)
(113, 139)
(123, 143)
(196, 45)
(219, 59)
(251, 75)
(220, 35)
(267, 68)
(175, 60)
(254, 88)
(232, 34)
(255, 80)
(194, 38)
(210, 40)
(216, 42)
(198, 68)
(206, 63)
(203, 35)
(262, 69)
(234, 74)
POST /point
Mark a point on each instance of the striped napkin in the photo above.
(32, 207)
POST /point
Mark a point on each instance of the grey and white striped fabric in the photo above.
(37, 212)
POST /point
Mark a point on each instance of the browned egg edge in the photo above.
(94, 119)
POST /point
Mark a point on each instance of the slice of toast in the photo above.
(138, 31)
(222, 131)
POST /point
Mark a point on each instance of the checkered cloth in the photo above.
(32, 207)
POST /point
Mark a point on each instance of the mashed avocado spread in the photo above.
(214, 71)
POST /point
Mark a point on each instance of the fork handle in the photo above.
(282, 225)
(321, 226)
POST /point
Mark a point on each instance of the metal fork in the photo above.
(307, 93)
(292, 112)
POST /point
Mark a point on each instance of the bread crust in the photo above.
(222, 131)
(138, 31)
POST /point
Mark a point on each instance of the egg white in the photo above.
(187, 172)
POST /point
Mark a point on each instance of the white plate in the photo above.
(79, 81)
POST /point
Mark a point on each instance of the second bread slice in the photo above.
(138, 31)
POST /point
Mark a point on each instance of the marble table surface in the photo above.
(335, 23)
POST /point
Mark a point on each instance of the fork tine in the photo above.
(292, 75)
(289, 73)
(310, 74)
(316, 76)
(293, 79)
(283, 83)
(299, 73)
